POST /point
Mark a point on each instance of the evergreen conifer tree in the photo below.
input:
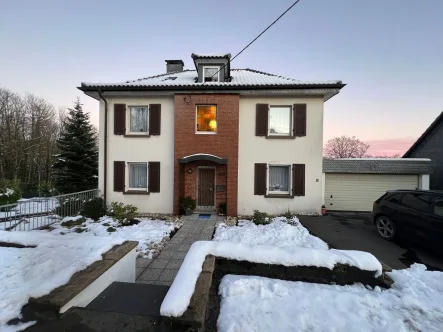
(76, 164)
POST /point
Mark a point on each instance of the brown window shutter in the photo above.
(119, 176)
(260, 175)
(298, 179)
(154, 176)
(155, 119)
(299, 124)
(261, 119)
(119, 119)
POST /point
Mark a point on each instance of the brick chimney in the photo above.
(174, 65)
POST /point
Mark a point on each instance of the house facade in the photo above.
(430, 145)
(240, 137)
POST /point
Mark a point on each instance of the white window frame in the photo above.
(128, 121)
(212, 67)
(216, 120)
(273, 192)
(127, 175)
(290, 120)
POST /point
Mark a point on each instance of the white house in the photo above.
(240, 137)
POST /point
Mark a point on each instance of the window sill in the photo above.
(278, 196)
(206, 133)
(280, 137)
(136, 192)
(135, 135)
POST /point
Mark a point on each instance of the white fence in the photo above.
(34, 213)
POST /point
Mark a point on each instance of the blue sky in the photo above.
(390, 53)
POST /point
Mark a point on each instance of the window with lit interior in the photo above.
(206, 119)
(138, 176)
(211, 74)
(279, 179)
(280, 121)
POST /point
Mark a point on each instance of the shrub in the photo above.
(288, 215)
(187, 203)
(261, 218)
(125, 214)
(94, 208)
(222, 208)
(111, 229)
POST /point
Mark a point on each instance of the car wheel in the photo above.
(385, 227)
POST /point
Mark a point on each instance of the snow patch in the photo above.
(179, 295)
(149, 233)
(34, 272)
(262, 304)
(278, 233)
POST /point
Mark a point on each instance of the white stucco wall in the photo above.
(123, 271)
(144, 149)
(301, 150)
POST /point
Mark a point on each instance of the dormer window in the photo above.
(211, 73)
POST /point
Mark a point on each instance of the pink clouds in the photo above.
(389, 147)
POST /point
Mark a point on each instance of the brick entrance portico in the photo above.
(222, 144)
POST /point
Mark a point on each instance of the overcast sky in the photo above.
(388, 52)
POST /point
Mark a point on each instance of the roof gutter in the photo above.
(105, 153)
(209, 87)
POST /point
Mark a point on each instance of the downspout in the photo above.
(105, 154)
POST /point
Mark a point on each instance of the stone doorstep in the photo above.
(78, 282)
(195, 315)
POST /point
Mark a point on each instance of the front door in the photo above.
(206, 189)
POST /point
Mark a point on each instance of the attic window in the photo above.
(211, 74)
(171, 78)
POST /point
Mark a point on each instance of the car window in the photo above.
(419, 202)
(394, 198)
(438, 206)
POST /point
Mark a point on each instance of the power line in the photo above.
(261, 33)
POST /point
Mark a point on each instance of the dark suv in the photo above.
(413, 214)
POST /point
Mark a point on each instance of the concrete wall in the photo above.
(306, 150)
(123, 270)
(140, 149)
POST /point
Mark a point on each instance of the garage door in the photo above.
(357, 192)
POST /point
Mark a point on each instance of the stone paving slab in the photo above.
(163, 269)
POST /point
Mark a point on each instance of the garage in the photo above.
(354, 184)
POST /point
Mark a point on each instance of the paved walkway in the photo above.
(163, 269)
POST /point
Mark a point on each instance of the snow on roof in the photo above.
(179, 295)
(201, 55)
(240, 78)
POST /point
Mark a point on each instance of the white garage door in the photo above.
(357, 192)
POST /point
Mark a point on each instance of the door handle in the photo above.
(211, 189)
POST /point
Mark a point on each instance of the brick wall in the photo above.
(224, 144)
(190, 182)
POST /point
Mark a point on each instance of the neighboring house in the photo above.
(430, 145)
(354, 184)
(243, 137)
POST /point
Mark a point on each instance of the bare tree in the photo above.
(29, 127)
(345, 147)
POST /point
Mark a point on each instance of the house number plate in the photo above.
(220, 187)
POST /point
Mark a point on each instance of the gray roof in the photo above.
(377, 166)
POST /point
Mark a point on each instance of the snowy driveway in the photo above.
(356, 232)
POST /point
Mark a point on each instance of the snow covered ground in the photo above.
(34, 272)
(149, 233)
(277, 233)
(414, 303)
(179, 295)
(36, 205)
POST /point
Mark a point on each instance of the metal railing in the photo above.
(34, 213)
